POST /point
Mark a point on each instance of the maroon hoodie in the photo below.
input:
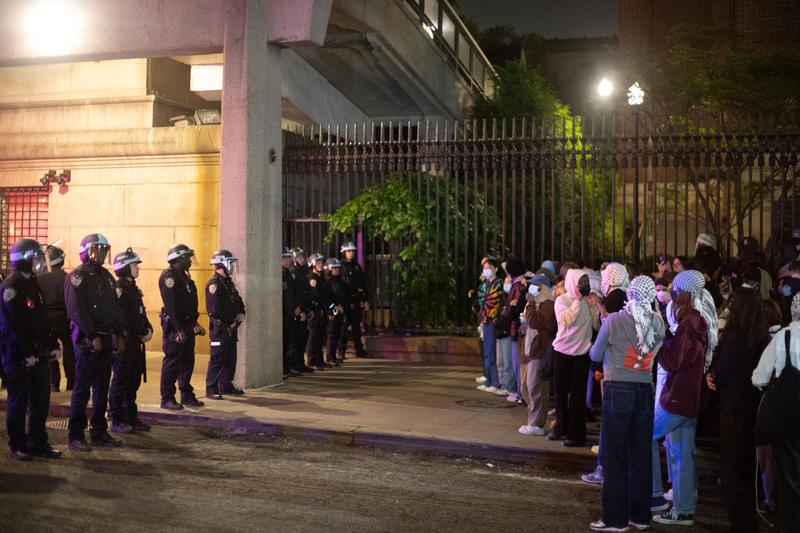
(683, 357)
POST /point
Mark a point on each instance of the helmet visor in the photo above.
(99, 253)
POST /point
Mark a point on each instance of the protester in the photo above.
(507, 329)
(578, 315)
(490, 300)
(683, 357)
(743, 339)
(626, 345)
(541, 320)
(787, 453)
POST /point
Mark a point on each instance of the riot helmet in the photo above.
(124, 261)
(94, 249)
(23, 253)
(180, 256)
(224, 259)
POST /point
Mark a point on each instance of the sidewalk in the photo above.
(370, 402)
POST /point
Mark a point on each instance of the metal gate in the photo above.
(627, 187)
(23, 213)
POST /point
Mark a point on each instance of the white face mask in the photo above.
(533, 290)
(663, 296)
(507, 287)
(488, 273)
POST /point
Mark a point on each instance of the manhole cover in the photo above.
(485, 404)
(56, 424)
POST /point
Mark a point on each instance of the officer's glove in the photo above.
(97, 344)
(31, 360)
(199, 330)
(55, 354)
(148, 336)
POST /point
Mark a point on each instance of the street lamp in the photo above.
(605, 88)
(52, 26)
(635, 99)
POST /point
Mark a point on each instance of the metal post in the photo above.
(636, 256)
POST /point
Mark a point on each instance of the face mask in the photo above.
(488, 273)
(585, 290)
(533, 290)
(662, 296)
(507, 287)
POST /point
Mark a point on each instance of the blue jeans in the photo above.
(490, 356)
(626, 441)
(509, 361)
(681, 431)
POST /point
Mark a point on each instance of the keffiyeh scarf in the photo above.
(641, 293)
(694, 282)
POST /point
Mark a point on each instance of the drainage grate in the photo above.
(60, 423)
(485, 404)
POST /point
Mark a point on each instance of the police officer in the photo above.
(340, 299)
(51, 281)
(129, 366)
(291, 311)
(226, 312)
(27, 349)
(299, 272)
(322, 308)
(356, 282)
(179, 322)
(93, 308)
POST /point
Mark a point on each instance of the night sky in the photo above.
(549, 18)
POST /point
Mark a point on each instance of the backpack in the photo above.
(778, 416)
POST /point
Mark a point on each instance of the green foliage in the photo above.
(520, 91)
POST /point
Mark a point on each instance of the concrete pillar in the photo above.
(250, 185)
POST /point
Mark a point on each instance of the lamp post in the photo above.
(635, 99)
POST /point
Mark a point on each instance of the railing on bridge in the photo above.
(554, 188)
(442, 24)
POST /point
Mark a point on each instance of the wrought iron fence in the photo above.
(618, 187)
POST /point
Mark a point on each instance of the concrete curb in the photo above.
(366, 439)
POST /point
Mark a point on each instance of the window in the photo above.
(23, 213)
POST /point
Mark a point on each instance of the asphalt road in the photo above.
(185, 479)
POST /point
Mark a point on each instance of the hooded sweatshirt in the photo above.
(576, 319)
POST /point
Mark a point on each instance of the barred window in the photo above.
(23, 213)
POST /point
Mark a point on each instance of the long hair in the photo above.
(682, 306)
(749, 319)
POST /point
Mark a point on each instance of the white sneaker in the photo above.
(531, 431)
(513, 398)
(502, 392)
(480, 379)
(484, 388)
(599, 525)
(668, 495)
(493, 390)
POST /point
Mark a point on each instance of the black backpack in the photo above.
(778, 413)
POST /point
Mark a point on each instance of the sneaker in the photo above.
(531, 430)
(502, 392)
(105, 440)
(658, 504)
(594, 478)
(676, 520)
(555, 436)
(493, 390)
(668, 495)
(513, 397)
(122, 428)
(483, 388)
(599, 525)
(639, 527)
(480, 380)
(79, 445)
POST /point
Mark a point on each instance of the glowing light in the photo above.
(605, 88)
(428, 29)
(206, 78)
(635, 94)
(53, 27)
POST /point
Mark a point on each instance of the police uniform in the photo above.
(355, 281)
(93, 307)
(25, 331)
(321, 301)
(223, 305)
(302, 292)
(290, 305)
(129, 366)
(341, 300)
(52, 286)
(180, 313)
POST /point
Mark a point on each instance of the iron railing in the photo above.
(616, 187)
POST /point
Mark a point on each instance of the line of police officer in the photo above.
(109, 327)
(322, 300)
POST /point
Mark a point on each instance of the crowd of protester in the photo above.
(684, 342)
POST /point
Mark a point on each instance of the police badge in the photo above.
(212, 288)
(9, 294)
(76, 281)
(169, 282)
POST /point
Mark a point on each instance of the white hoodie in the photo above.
(576, 319)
